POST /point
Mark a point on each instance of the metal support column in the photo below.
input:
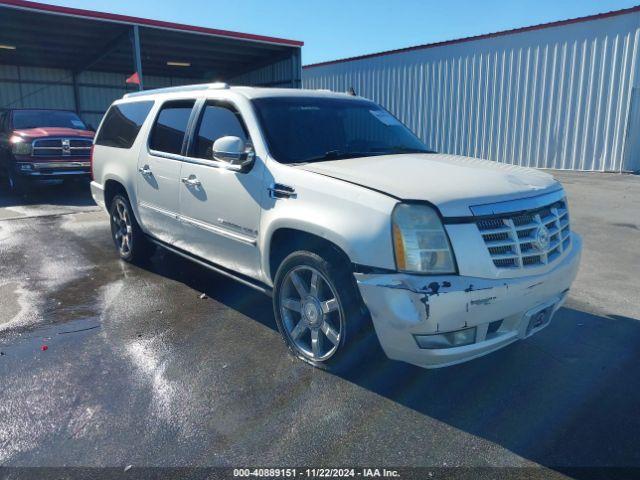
(296, 64)
(76, 93)
(137, 59)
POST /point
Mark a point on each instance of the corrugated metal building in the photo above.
(562, 95)
(75, 59)
(36, 87)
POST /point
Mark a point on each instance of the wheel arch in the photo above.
(111, 188)
(286, 239)
(113, 185)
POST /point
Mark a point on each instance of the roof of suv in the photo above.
(248, 92)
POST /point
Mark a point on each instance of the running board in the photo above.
(261, 287)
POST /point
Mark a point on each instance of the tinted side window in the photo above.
(168, 132)
(216, 121)
(122, 124)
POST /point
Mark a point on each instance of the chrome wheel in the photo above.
(121, 227)
(311, 313)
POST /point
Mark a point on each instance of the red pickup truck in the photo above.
(43, 144)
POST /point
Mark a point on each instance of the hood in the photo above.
(53, 132)
(453, 183)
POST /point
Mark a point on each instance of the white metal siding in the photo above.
(284, 73)
(34, 87)
(557, 97)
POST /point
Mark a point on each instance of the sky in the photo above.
(334, 29)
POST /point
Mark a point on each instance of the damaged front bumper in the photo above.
(406, 307)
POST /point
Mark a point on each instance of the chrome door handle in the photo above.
(146, 171)
(191, 181)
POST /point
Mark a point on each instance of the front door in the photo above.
(219, 208)
(159, 165)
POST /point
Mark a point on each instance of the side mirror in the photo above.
(234, 151)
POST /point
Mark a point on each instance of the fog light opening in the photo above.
(459, 338)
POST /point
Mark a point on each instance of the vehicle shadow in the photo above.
(232, 294)
(568, 397)
(73, 194)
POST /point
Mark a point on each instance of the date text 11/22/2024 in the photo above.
(316, 472)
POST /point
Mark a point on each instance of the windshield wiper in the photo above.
(400, 149)
(341, 155)
(338, 155)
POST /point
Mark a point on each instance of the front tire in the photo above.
(319, 312)
(128, 237)
(17, 184)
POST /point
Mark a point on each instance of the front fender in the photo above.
(305, 226)
(354, 218)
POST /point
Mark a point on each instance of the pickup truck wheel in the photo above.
(17, 184)
(128, 237)
(319, 312)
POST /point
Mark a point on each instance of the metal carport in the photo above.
(60, 57)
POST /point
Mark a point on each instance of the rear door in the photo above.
(158, 181)
(220, 208)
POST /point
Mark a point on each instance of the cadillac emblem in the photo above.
(541, 238)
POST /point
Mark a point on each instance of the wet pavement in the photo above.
(139, 370)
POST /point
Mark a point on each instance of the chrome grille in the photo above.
(517, 241)
(62, 147)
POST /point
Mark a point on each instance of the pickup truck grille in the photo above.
(62, 147)
(527, 239)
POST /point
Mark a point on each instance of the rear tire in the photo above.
(128, 237)
(320, 314)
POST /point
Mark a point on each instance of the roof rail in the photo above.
(182, 88)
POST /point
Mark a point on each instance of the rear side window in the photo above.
(168, 132)
(216, 121)
(122, 124)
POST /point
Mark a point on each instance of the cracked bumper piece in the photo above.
(411, 312)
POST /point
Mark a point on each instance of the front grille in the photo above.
(57, 147)
(517, 241)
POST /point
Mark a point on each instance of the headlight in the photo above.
(19, 146)
(420, 243)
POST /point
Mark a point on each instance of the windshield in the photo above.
(303, 130)
(23, 119)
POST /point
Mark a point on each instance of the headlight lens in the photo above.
(420, 243)
(19, 146)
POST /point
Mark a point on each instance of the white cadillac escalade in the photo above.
(338, 211)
